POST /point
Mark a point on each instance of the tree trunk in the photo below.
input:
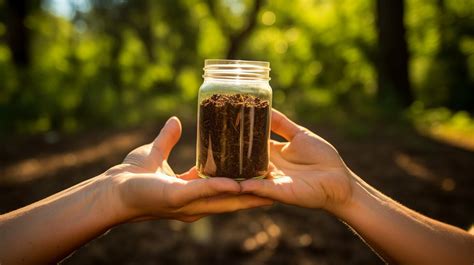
(18, 37)
(393, 82)
(237, 39)
(455, 69)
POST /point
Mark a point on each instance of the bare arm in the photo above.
(142, 187)
(401, 235)
(52, 228)
(308, 172)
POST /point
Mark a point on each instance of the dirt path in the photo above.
(428, 176)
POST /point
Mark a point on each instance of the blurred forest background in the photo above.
(389, 83)
(73, 65)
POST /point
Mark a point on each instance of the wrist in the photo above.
(356, 198)
(110, 185)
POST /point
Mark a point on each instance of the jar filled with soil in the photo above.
(234, 108)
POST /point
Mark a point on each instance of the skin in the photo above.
(143, 187)
(308, 172)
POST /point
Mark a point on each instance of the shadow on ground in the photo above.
(430, 177)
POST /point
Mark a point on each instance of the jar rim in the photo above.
(211, 62)
(236, 69)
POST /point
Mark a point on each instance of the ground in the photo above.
(431, 177)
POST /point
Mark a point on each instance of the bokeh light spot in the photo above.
(448, 184)
(268, 18)
(305, 240)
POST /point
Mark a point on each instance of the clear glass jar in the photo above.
(233, 130)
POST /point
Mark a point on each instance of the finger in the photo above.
(151, 155)
(283, 126)
(229, 203)
(191, 174)
(275, 143)
(276, 156)
(168, 137)
(276, 146)
(139, 158)
(267, 188)
(190, 218)
(166, 169)
(204, 188)
(274, 171)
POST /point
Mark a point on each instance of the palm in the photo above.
(307, 171)
(149, 188)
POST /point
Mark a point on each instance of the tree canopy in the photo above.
(119, 62)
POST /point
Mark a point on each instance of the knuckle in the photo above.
(134, 158)
(117, 170)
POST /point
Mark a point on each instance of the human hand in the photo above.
(147, 187)
(307, 171)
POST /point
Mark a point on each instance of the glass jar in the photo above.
(233, 129)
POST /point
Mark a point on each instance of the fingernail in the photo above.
(168, 121)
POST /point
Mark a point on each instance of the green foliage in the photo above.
(441, 117)
(441, 38)
(454, 127)
(125, 62)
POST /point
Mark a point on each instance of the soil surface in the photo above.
(428, 176)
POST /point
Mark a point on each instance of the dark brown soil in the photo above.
(233, 136)
(430, 177)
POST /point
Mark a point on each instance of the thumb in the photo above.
(283, 126)
(166, 139)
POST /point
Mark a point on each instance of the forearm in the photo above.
(52, 228)
(401, 235)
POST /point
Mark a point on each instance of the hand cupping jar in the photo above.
(233, 129)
